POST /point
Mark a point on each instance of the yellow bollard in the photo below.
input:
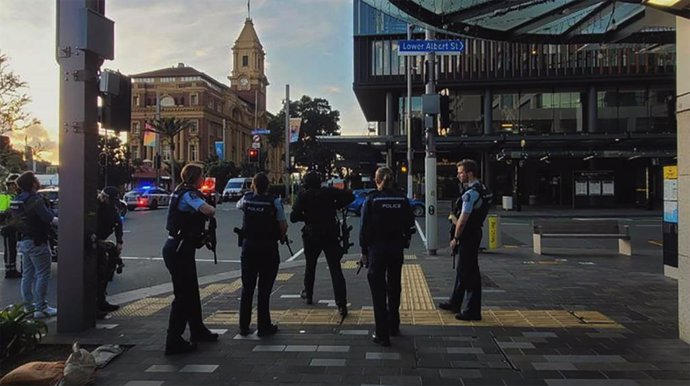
(494, 235)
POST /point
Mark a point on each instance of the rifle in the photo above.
(287, 242)
(345, 232)
(210, 239)
(240, 236)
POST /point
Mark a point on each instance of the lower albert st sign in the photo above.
(416, 47)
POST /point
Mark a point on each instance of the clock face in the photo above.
(244, 82)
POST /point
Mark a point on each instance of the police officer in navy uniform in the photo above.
(317, 207)
(8, 231)
(468, 219)
(108, 222)
(187, 216)
(386, 225)
(263, 225)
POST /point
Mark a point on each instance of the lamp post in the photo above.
(410, 154)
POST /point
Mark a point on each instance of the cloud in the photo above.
(332, 89)
(38, 137)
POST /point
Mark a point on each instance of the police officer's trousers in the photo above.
(313, 246)
(260, 260)
(9, 238)
(385, 269)
(467, 292)
(186, 306)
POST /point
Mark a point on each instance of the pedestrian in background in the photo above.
(9, 231)
(33, 221)
(470, 211)
(385, 232)
(187, 216)
(263, 225)
(317, 207)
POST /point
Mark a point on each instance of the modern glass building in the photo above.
(568, 123)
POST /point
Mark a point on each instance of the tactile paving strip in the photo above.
(349, 264)
(410, 257)
(284, 276)
(144, 307)
(415, 290)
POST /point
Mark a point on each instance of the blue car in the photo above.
(361, 194)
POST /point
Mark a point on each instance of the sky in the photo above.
(308, 44)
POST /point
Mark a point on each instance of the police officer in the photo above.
(187, 216)
(317, 207)
(263, 225)
(8, 231)
(385, 230)
(33, 221)
(470, 212)
(108, 221)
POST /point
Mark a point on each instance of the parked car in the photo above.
(355, 206)
(52, 195)
(236, 188)
(147, 197)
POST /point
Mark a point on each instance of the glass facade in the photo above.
(370, 21)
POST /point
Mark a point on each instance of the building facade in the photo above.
(219, 113)
(575, 125)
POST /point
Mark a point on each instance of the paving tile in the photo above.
(554, 366)
(199, 369)
(144, 383)
(326, 348)
(584, 358)
(354, 332)
(269, 348)
(383, 355)
(515, 345)
(591, 382)
(401, 380)
(327, 362)
(464, 350)
(105, 326)
(300, 348)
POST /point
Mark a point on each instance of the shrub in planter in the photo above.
(19, 331)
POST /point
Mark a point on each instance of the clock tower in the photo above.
(247, 77)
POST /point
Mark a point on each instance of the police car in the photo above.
(147, 197)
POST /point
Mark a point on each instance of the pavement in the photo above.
(578, 315)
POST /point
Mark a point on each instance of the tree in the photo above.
(168, 128)
(318, 118)
(221, 170)
(13, 101)
(117, 169)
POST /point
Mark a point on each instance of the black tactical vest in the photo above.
(185, 225)
(26, 221)
(479, 211)
(259, 221)
(389, 211)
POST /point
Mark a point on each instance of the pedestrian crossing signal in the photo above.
(253, 155)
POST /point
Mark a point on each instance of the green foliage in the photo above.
(318, 118)
(18, 331)
(118, 167)
(12, 100)
(168, 128)
(12, 160)
(220, 169)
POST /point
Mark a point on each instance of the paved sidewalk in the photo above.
(594, 318)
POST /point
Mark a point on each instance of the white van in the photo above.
(236, 188)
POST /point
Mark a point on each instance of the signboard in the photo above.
(220, 149)
(417, 47)
(256, 145)
(261, 132)
(295, 124)
(256, 138)
(671, 194)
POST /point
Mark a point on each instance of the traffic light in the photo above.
(403, 167)
(444, 113)
(116, 95)
(103, 159)
(253, 155)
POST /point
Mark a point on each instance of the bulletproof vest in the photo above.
(26, 221)
(480, 209)
(259, 221)
(389, 212)
(184, 225)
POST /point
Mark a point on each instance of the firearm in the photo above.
(210, 238)
(345, 232)
(287, 242)
(240, 236)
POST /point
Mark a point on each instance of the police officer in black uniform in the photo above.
(470, 211)
(317, 207)
(9, 232)
(263, 225)
(187, 216)
(387, 220)
(108, 222)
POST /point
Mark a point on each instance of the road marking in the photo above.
(419, 230)
(601, 218)
(160, 258)
(515, 223)
(296, 255)
(646, 225)
(656, 242)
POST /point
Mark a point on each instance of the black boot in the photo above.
(177, 345)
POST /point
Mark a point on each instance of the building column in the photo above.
(390, 116)
(488, 111)
(683, 121)
(591, 109)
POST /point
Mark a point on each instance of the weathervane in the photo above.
(249, 12)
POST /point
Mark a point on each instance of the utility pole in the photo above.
(430, 159)
(157, 159)
(410, 154)
(287, 141)
(79, 55)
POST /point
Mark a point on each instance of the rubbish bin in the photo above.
(532, 199)
(507, 202)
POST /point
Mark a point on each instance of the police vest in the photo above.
(479, 211)
(259, 221)
(389, 213)
(185, 225)
(26, 221)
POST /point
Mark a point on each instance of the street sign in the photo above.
(261, 132)
(220, 149)
(256, 138)
(416, 47)
(256, 145)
